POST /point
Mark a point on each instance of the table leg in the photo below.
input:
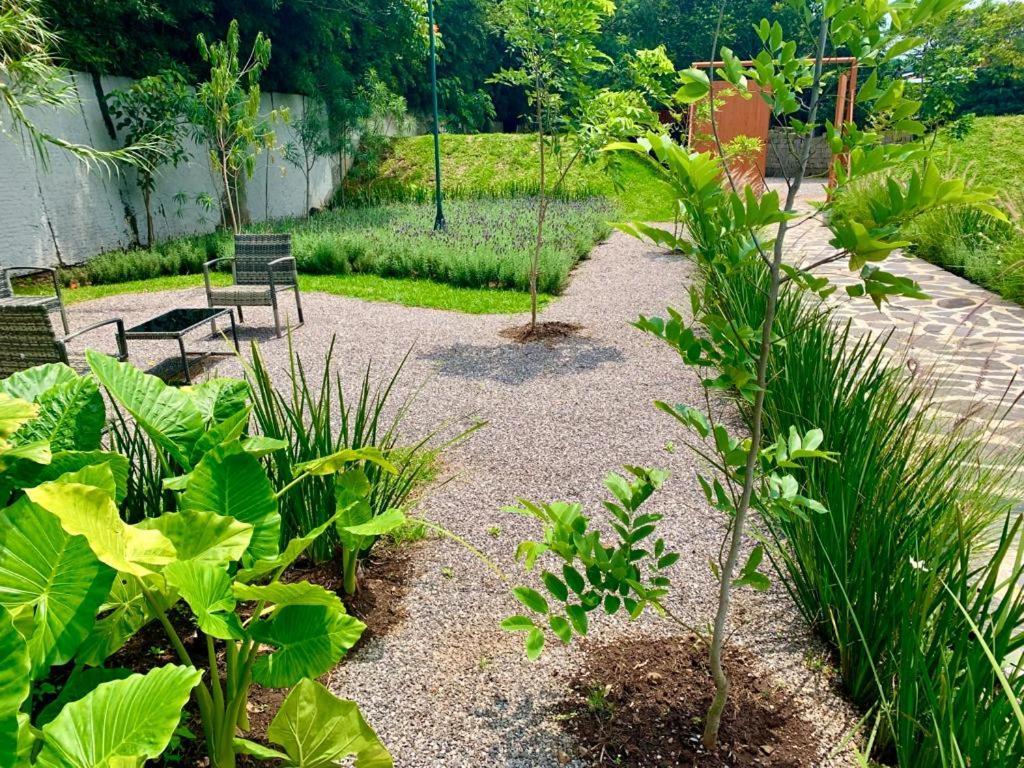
(234, 331)
(184, 359)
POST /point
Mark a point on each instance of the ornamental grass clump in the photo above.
(919, 513)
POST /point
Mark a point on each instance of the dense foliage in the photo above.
(870, 573)
(204, 561)
(329, 48)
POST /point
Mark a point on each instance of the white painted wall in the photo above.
(66, 213)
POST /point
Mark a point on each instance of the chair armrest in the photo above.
(206, 269)
(272, 265)
(54, 276)
(122, 346)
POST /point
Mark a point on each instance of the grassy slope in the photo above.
(498, 163)
(965, 242)
(992, 153)
(413, 293)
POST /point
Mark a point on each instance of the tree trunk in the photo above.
(541, 205)
(309, 171)
(147, 204)
(714, 716)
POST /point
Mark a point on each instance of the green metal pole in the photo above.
(439, 222)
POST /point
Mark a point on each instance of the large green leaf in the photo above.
(167, 415)
(229, 481)
(95, 475)
(25, 474)
(226, 431)
(308, 641)
(31, 383)
(132, 719)
(352, 500)
(14, 413)
(292, 550)
(328, 465)
(122, 614)
(14, 685)
(71, 417)
(54, 576)
(80, 682)
(207, 590)
(281, 595)
(87, 511)
(316, 729)
(205, 537)
(219, 398)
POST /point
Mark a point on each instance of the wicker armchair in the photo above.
(262, 267)
(28, 338)
(7, 297)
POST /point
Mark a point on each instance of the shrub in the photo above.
(77, 581)
(911, 509)
(486, 245)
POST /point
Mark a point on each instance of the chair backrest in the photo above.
(27, 338)
(254, 252)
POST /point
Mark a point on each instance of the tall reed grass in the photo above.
(316, 418)
(916, 512)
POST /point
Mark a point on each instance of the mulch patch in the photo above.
(641, 703)
(549, 332)
(383, 581)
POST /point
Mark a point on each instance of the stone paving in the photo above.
(965, 340)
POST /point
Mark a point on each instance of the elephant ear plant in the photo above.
(77, 581)
(728, 232)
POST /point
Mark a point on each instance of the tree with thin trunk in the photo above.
(313, 140)
(225, 113)
(738, 234)
(153, 110)
(555, 43)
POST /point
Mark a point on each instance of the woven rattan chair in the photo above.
(28, 338)
(262, 267)
(7, 297)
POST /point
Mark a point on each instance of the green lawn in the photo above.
(502, 165)
(412, 293)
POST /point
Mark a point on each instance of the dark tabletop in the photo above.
(178, 320)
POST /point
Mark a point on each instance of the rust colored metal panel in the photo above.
(736, 117)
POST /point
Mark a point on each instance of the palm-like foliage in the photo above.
(31, 77)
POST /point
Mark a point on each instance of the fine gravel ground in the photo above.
(448, 687)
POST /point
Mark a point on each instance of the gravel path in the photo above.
(447, 687)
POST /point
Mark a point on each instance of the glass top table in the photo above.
(175, 323)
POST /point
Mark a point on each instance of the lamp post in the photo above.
(439, 222)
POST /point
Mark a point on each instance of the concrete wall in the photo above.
(66, 213)
(782, 150)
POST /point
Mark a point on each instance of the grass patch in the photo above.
(503, 166)
(989, 253)
(487, 243)
(410, 293)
